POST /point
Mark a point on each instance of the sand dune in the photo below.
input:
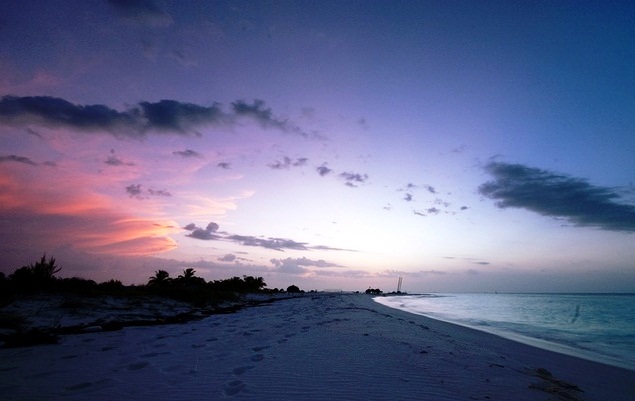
(315, 347)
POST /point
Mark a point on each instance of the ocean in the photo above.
(599, 327)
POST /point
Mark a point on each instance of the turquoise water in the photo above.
(599, 327)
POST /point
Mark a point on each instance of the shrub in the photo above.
(38, 276)
(293, 289)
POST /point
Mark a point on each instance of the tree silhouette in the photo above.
(36, 276)
(188, 279)
(187, 274)
(161, 278)
(293, 289)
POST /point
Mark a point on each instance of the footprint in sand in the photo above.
(242, 369)
(258, 349)
(257, 358)
(234, 387)
(79, 386)
(137, 366)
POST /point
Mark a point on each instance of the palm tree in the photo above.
(187, 275)
(160, 278)
(188, 279)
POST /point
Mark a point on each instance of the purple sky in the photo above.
(464, 146)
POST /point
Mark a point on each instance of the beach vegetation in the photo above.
(6, 295)
(161, 278)
(374, 291)
(112, 287)
(37, 276)
(246, 284)
(189, 279)
(293, 289)
(76, 285)
(40, 277)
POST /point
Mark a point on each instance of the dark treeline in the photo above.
(41, 277)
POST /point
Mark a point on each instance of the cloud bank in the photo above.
(277, 244)
(558, 195)
(164, 116)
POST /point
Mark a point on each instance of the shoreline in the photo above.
(544, 344)
(313, 347)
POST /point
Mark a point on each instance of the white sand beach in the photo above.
(313, 347)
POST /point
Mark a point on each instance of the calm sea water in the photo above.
(599, 327)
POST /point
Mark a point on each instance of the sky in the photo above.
(464, 146)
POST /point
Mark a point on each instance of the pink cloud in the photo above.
(47, 212)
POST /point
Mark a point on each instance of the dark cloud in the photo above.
(56, 112)
(278, 244)
(287, 162)
(259, 112)
(166, 116)
(187, 153)
(208, 233)
(410, 187)
(230, 257)
(224, 165)
(212, 227)
(136, 191)
(115, 161)
(159, 192)
(143, 12)
(328, 248)
(323, 170)
(17, 159)
(430, 211)
(353, 179)
(558, 195)
(303, 261)
(171, 115)
(264, 116)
